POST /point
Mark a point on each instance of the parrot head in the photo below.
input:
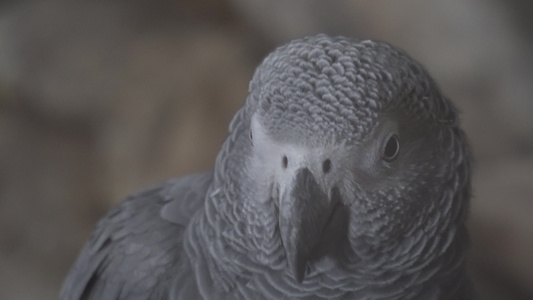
(356, 148)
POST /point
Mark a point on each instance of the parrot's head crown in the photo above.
(339, 87)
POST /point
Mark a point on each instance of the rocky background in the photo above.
(102, 98)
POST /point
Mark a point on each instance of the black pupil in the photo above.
(391, 148)
(326, 166)
(285, 161)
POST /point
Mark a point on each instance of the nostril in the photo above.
(285, 162)
(326, 165)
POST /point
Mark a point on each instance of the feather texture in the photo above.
(344, 176)
(134, 253)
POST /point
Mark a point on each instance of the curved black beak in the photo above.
(304, 213)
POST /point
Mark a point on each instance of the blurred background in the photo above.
(99, 99)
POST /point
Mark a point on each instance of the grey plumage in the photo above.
(344, 176)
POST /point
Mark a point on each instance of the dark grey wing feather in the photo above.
(178, 211)
(134, 253)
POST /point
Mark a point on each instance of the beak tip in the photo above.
(299, 278)
(298, 270)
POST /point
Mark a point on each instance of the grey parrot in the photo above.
(345, 175)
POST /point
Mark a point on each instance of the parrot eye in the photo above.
(392, 148)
